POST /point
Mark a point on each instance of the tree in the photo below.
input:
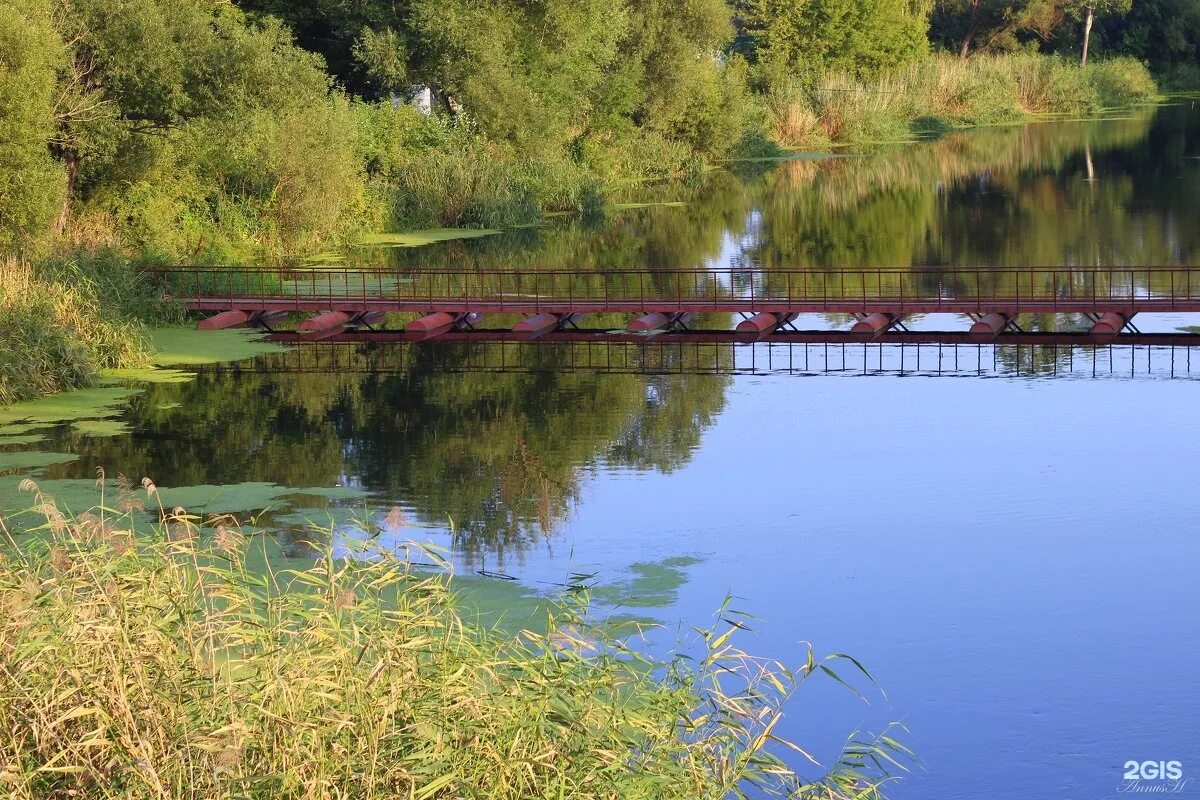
(1086, 10)
(1165, 33)
(541, 76)
(967, 26)
(525, 73)
(31, 184)
(858, 36)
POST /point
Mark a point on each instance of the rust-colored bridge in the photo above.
(661, 300)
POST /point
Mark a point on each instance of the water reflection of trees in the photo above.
(504, 455)
(1007, 196)
(1022, 195)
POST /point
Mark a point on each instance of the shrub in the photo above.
(1122, 81)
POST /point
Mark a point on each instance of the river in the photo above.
(1005, 536)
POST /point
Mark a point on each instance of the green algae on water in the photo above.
(185, 345)
(19, 429)
(636, 206)
(241, 498)
(652, 585)
(80, 494)
(423, 238)
(10, 462)
(98, 403)
(111, 377)
(22, 440)
(101, 428)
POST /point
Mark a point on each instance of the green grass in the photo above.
(164, 667)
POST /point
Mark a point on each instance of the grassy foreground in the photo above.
(165, 669)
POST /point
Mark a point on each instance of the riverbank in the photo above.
(64, 321)
(943, 93)
(158, 664)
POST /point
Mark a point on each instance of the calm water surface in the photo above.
(1006, 536)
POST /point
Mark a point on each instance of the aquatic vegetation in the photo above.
(101, 428)
(422, 238)
(98, 403)
(290, 507)
(11, 462)
(182, 345)
(636, 206)
(358, 678)
(16, 430)
(16, 440)
(654, 584)
(145, 375)
(244, 497)
(941, 93)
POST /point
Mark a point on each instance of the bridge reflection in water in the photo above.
(1043, 355)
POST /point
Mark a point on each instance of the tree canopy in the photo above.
(211, 129)
(858, 36)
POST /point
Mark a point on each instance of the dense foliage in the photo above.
(209, 131)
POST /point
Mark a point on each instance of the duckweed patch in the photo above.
(26, 439)
(243, 497)
(101, 428)
(637, 206)
(10, 462)
(146, 375)
(181, 345)
(97, 403)
(424, 237)
(653, 584)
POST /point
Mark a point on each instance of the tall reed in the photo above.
(166, 668)
(944, 91)
(63, 321)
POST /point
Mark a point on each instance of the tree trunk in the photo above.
(1087, 33)
(972, 29)
(71, 160)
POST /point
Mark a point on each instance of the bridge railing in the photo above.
(602, 355)
(1011, 287)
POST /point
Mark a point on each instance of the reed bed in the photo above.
(59, 326)
(163, 667)
(945, 92)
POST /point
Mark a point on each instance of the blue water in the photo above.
(1013, 560)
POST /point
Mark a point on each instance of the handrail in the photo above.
(886, 270)
(1009, 290)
